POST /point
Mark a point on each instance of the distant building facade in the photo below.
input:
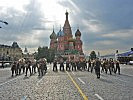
(27, 55)
(13, 52)
(65, 44)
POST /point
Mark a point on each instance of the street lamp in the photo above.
(3, 22)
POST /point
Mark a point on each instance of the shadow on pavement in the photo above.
(126, 75)
(107, 81)
(25, 78)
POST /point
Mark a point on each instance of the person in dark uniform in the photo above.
(34, 66)
(39, 68)
(84, 65)
(104, 66)
(61, 65)
(110, 66)
(22, 64)
(67, 65)
(17, 68)
(73, 63)
(97, 67)
(45, 65)
(117, 67)
(92, 65)
(89, 65)
(55, 65)
(78, 64)
(13, 68)
(28, 67)
(113, 67)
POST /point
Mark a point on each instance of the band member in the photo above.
(93, 64)
(84, 65)
(97, 67)
(34, 66)
(78, 64)
(55, 65)
(61, 65)
(117, 67)
(89, 65)
(110, 66)
(68, 65)
(73, 63)
(42, 66)
(28, 66)
(103, 65)
(18, 70)
(113, 67)
(13, 68)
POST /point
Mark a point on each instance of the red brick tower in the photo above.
(67, 32)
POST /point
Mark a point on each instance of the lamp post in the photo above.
(3, 22)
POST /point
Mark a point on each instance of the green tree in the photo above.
(42, 52)
(93, 55)
(45, 52)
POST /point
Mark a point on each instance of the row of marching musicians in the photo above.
(99, 65)
(70, 65)
(25, 65)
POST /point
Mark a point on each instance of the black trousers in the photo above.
(117, 68)
(13, 71)
(40, 71)
(55, 68)
(61, 67)
(97, 71)
(33, 69)
(73, 67)
(28, 67)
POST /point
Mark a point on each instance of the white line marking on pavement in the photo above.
(73, 73)
(99, 97)
(81, 80)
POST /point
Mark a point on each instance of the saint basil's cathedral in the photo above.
(65, 44)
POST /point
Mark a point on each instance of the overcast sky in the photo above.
(106, 25)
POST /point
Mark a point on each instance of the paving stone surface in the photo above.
(58, 85)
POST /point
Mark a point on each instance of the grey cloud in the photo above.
(21, 23)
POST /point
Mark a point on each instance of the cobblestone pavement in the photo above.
(59, 86)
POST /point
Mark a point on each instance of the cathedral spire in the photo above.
(53, 28)
(66, 15)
